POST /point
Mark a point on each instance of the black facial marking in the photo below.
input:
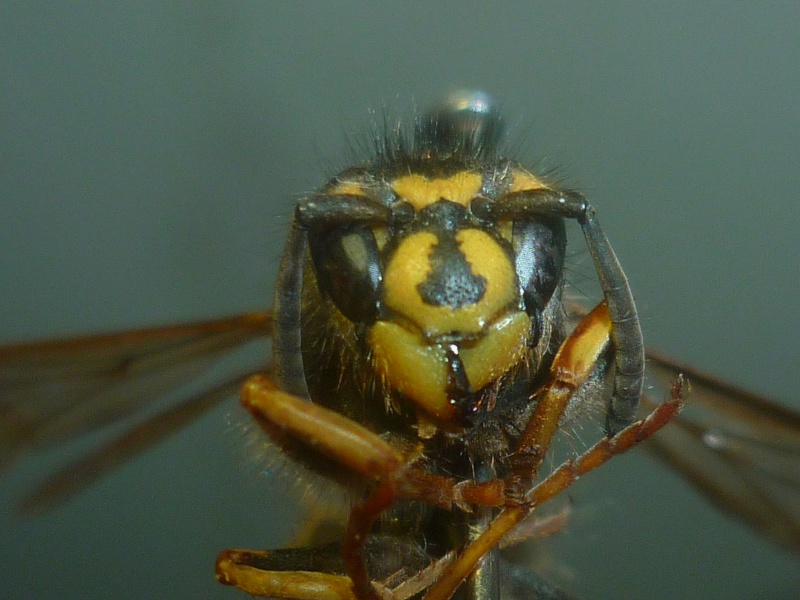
(451, 281)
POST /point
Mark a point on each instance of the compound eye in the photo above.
(539, 248)
(348, 269)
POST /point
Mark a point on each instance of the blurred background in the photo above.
(150, 155)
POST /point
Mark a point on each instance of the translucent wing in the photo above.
(55, 391)
(741, 450)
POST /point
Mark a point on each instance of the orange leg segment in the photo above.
(240, 568)
(554, 484)
(324, 430)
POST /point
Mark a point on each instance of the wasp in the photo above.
(425, 356)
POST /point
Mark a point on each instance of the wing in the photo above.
(54, 391)
(740, 450)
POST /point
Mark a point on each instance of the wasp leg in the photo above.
(554, 484)
(351, 445)
(247, 570)
(576, 360)
(318, 573)
(323, 430)
(345, 441)
(573, 365)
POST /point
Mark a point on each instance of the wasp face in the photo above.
(445, 301)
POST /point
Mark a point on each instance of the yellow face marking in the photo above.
(420, 192)
(523, 181)
(410, 267)
(419, 370)
(412, 367)
(502, 348)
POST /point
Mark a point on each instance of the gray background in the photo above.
(149, 157)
